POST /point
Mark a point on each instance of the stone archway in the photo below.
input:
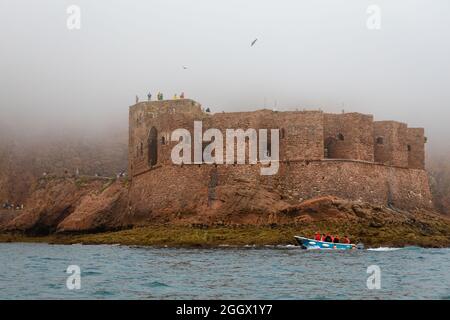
(330, 148)
(152, 147)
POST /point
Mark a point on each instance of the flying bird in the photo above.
(184, 67)
(253, 42)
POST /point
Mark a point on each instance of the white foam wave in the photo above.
(383, 249)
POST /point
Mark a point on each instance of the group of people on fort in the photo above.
(160, 96)
(11, 206)
(330, 238)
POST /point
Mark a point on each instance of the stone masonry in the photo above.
(346, 155)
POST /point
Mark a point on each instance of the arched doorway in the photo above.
(330, 148)
(153, 147)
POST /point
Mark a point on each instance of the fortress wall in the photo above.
(169, 190)
(377, 184)
(349, 136)
(390, 139)
(416, 148)
(193, 189)
(301, 134)
(236, 120)
(164, 116)
(159, 187)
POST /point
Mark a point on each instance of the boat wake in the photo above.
(383, 249)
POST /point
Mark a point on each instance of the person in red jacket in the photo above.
(317, 237)
(346, 240)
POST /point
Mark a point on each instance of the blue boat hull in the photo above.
(313, 244)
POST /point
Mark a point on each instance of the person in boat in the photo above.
(336, 239)
(328, 238)
(346, 240)
(317, 236)
(323, 237)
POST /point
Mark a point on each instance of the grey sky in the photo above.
(309, 54)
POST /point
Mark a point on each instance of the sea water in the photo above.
(39, 271)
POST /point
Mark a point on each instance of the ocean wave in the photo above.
(384, 249)
(287, 246)
(281, 246)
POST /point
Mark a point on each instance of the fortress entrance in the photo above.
(153, 147)
(330, 148)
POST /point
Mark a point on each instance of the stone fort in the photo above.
(347, 155)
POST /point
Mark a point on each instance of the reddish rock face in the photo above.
(100, 211)
(56, 200)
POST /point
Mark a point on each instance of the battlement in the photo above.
(154, 109)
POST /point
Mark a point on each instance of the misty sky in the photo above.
(309, 54)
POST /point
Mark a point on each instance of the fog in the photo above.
(309, 54)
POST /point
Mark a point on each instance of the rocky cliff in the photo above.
(74, 206)
(64, 203)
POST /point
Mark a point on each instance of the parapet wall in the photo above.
(301, 132)
(349, 136)
(416, 148)
(390, 139)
